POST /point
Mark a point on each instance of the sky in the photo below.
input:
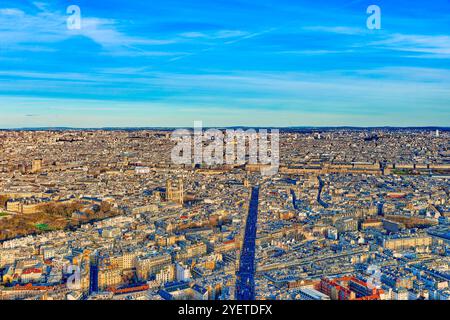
(168, 63)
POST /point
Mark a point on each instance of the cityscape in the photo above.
(223, 157)
(351, 214)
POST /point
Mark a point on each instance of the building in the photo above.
(48, 252)
(142, 170)
(346, 225)
(108, 277)
(392, 226)
(31, 275)
(192, 250)
(175, 192)
(183, 272)
(166, 274)
(36, 166)
(334, 290)
(312, 294)
(182, 291)
(151, 265)
(349, 288)
(332, 233)
(25, 206)
(402, 243)
(371, 223)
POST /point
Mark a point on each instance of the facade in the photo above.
(151, 265)
(407, 242)
(175, 191)
(36, 166)
(108, 277)
(183, 272)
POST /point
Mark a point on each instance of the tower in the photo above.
(175, 193)
(36, 166)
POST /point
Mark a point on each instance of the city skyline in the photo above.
(113, 215)
(239, 63)
(225, 157)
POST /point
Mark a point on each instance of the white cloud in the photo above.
(19, 29)
(314, 52)
(11, 12)
(432, 45)
(426, 46)
(220, 34)
(336, 29)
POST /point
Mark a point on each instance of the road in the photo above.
(319, 200)
(245, 283)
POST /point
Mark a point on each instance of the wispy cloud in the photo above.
(237, 62)
(431, 45)
(22, 30)
(336, 29)
(426, 46)
(361, 91)
(219, 34)
(314, 52)
(12, 12)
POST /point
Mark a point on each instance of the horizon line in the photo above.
(62, 128)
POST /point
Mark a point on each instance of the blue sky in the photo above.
(227, 62)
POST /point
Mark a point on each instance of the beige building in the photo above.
(23, 207)
(153, 264)
(407, 242)
(36, 166)
(175, 193)
(193, 250)
(108, 277)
